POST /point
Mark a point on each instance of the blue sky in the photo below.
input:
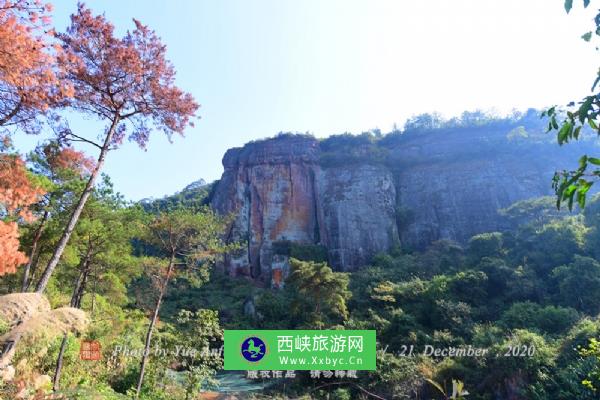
(259, 67)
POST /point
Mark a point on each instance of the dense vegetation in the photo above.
(519, 131)
(194, 196)
(529, 295)
(531, 290)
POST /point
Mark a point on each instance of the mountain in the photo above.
(194, 195)
(354, 196)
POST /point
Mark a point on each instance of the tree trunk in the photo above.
(59, 364)
(60, 248)
(75, 302)
(34, 248)
(93, 308)
(32, 272)
(144, 361)
(81, 282)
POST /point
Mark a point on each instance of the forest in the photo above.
(102, 297)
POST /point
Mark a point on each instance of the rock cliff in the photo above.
(357, 197)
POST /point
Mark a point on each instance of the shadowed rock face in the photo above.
(429, 187)
(357, 208)
(451, 186)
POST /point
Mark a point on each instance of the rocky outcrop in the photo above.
(427, 187)
(269, 187)
(30, 319)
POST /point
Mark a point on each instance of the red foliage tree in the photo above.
(127, 83)
(10, 256)
(29, 81)
(16, 194)
(16, 190)
(67, 159)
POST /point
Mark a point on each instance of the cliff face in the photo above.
(278, 192)
(270, 188)
(425, 188)
(356, 205)
(451, 186)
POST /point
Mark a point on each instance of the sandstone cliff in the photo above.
(359, 198)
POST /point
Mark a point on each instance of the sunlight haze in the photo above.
(261, 67)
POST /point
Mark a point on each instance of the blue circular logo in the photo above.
(253, 349)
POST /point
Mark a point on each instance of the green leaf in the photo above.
(570, 202)
(581, 199)
(584, 187)
(594, 160)
(554, 123)
(568, 5)
(576, 133)
(564, 132)
(592, 124)
(585, 108)
(586, 3)
(587, 36)
(569, 191)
